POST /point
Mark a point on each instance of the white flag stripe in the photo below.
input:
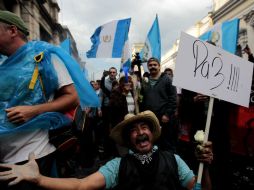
(107, 37)
(149, 49)
(217, 35)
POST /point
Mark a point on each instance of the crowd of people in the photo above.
(143, 127)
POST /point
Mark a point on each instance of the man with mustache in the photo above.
(159, 96)
(145, 167)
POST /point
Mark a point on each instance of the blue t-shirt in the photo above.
(111, 169)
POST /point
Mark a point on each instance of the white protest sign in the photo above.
(207, 69)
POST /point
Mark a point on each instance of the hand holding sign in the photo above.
(209, 70)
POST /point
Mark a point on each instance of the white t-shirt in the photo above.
(16, 147)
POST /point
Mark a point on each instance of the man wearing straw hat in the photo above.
(145, 167)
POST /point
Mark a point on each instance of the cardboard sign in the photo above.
(207, 69)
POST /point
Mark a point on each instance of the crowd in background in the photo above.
(179, 114)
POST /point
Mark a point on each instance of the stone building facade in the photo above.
(41, 18)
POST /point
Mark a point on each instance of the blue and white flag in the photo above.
(66, 45)
(224, 35)
(152, 47)
(126, 55)
(109, 39)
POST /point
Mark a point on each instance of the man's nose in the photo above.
(140, 131)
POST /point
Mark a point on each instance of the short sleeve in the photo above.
(110, 172)
(184, 172)
(62, 73)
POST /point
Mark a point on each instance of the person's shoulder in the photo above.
(116, 94)
(164, 151)
(112, 164)
(41, 45)
(165, 77)
(167, 153)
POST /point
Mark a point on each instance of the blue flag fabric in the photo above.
(109, 39)
(152, 47)
(224, 35)
(66, 45)
(15, 91)
(47, 120)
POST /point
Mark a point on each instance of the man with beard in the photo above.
(159, 96)
(145, 167)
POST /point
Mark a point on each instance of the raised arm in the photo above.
(92, 182)
(30, 172)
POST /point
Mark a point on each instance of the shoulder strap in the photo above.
(37, 58)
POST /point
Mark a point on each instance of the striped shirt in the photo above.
(130, 103)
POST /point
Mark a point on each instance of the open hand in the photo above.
(17, 173)
(105, 73)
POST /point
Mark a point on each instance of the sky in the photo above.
(83, 16)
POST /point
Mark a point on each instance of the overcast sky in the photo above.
(83, 16)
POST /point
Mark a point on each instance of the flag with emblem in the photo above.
(109, 39)
(152, 46)
(223, 35)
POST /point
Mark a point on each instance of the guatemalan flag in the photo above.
(109, 39)
(224, 35)
(152, 47)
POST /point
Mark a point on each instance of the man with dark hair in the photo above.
(169, 72)
(106, 87)
(146, 167)
(159, 96)
(106, 84)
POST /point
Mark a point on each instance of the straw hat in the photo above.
(129, 119)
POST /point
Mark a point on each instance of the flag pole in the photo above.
(136, 61)
(207, 129)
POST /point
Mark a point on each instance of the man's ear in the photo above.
(13, 30)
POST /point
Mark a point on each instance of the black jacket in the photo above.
(160, 98)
